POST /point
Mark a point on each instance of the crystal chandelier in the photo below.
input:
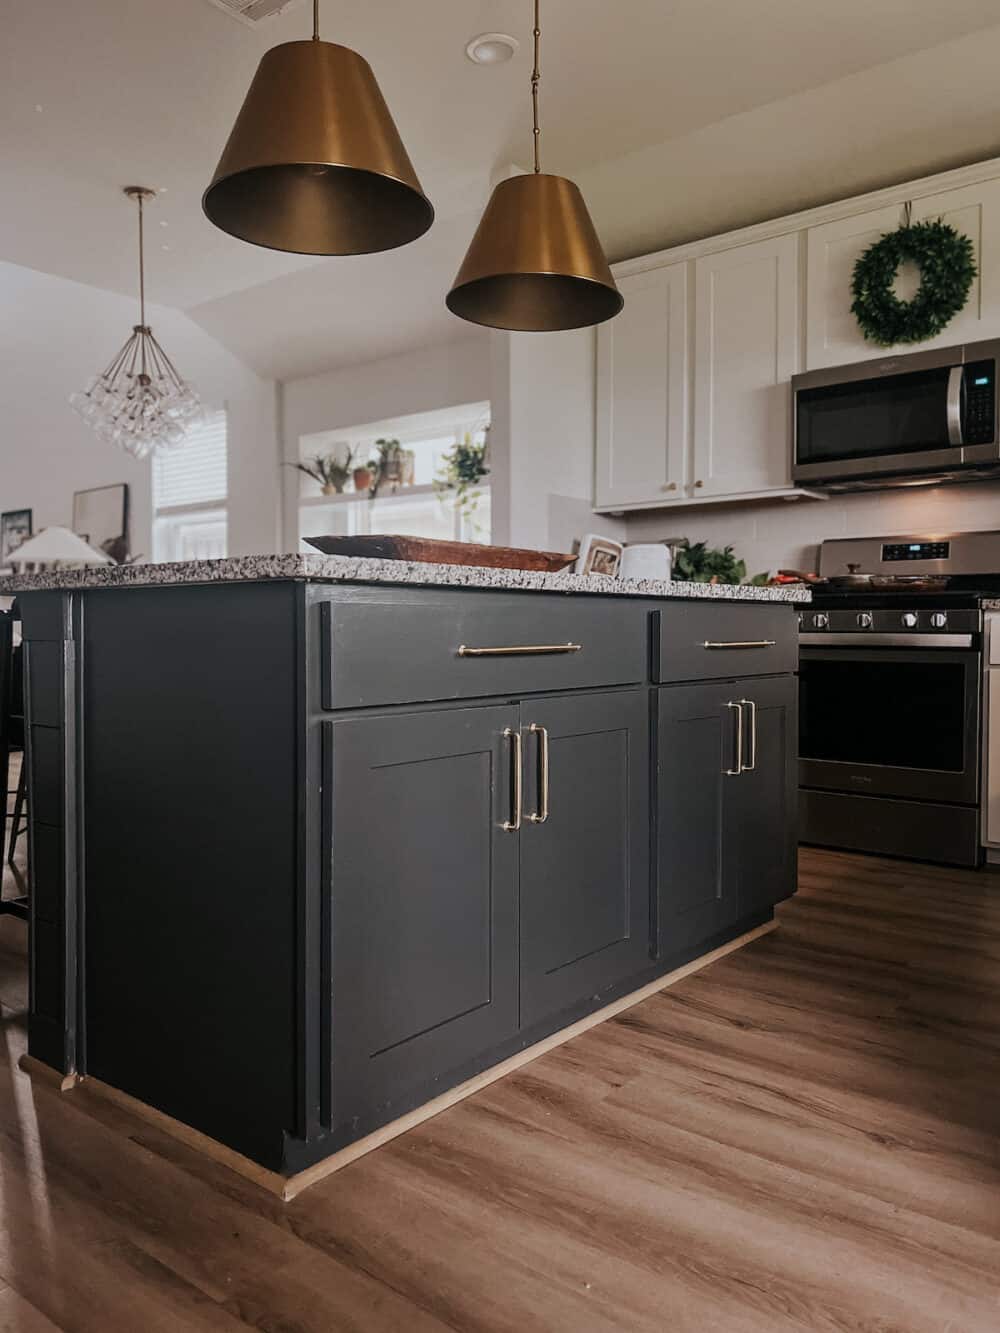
(139, 402)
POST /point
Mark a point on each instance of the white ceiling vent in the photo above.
(252, 11)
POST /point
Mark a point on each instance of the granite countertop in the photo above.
(990, 603)
(358, 569)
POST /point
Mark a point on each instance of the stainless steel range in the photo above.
(891, 695)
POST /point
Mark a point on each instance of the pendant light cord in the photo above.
(142, 268)
(315, 20)
(535, 78)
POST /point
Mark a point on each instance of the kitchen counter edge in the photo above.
(357, 569)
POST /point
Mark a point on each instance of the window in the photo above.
(189, 494)
(414, 510)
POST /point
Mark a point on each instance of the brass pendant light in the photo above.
(535, 263)
(315, 164)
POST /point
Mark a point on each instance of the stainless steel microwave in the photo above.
(921, 416)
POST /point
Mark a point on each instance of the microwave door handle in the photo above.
(955, 379)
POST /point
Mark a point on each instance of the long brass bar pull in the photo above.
(740, 643)
(738, 710)
(514, 823)
(542, 813)
(520, 650)
(751, 763)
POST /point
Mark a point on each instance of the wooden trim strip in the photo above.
(288, 1187)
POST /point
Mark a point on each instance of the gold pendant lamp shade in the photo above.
(535, 263)
(315, 164)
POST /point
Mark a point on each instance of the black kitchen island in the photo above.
(315, 840)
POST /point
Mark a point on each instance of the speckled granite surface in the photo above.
(990, 603)
(356, 569)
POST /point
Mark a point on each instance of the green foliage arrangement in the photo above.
(465, 468)
(947, 264)
(696, 562)
(330, 470)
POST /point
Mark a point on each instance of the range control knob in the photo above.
(910, 619)
(939, 620)
(864, 620)
(820, 620)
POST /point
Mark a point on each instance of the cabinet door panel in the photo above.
(696, 744)
(832, 333)
(584, 896)
(422, 889)
(642, 412)
(746, 350)
(764, 800)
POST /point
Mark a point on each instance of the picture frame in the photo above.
(101, 518)
(15, 529)
(599, 555)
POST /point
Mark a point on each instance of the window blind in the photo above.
(195, 472)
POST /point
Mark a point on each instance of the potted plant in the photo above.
(387, 466)
(330, 470)
(364, 476)
(697, 562)
(465, 468)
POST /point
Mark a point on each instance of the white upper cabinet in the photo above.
(832, 334)
(746, 348)
(642, 378)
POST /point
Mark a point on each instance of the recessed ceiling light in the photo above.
(491, 48)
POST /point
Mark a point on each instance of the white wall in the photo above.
(419, 381)
(786, 535)
(55, 335)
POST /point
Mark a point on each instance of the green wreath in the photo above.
(947, 266)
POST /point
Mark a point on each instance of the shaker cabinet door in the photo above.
(746, 349)
(642, 393)
(584, 884)
(697, 733)
(423, 879)
(762, 821)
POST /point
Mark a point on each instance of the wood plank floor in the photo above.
(804, 1136)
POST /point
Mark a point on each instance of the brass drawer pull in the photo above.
(740, 643)
(526, 649)
(542, 813)
(738, 710)
(752, 762)
(514, 823)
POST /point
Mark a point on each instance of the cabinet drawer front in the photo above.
(388, 654)
(712, 641)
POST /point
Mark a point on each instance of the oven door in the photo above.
(890, 722)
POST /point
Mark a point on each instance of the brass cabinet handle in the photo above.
(520, 649)
(542, 813)
(514, 823)
(698, 485)
(752, 763)
(739, 643)
(670, 486)
(738, 710)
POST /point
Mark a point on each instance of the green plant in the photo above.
(385, 466)
(465, 467)
(697, 562)
(947, 264)
(330, 470)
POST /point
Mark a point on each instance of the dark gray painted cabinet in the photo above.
(423, 899)
(726, 792)
(584, 921)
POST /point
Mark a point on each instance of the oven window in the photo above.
(895, 415)
(897, 713)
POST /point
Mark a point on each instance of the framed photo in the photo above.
(100, 517)
(599, 555)
(15, 529)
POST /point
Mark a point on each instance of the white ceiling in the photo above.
(97, 95)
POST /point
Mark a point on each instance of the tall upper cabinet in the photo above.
(693, 397)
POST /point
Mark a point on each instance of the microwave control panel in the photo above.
(979, 425)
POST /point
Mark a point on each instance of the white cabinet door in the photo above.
(746, 349)
(642, 374)
(832, 333)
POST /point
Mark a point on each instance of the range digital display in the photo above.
(916, 550)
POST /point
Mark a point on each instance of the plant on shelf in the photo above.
(465, 468)
(697, 562)
(330, 470)
(386, 466)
